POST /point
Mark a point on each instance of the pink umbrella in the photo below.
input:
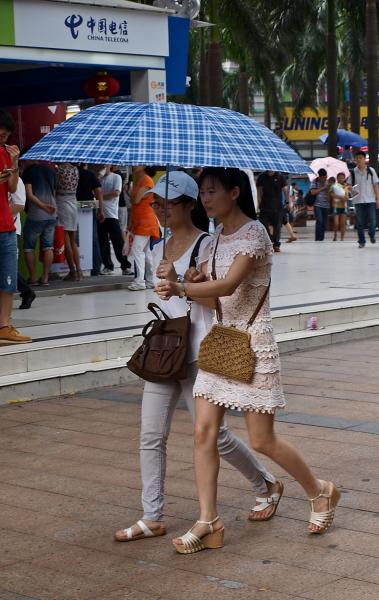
(332, 166)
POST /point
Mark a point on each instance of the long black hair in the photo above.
(229, 179)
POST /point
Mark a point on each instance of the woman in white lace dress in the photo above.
(243, 257)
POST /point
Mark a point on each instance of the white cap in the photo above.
(179, 184)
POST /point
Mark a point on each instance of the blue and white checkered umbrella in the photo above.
(128, 133)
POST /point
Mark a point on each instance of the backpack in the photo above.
(309, 199)
(368, 172)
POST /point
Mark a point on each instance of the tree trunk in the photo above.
(243, 91)
(372, 81)
(343, 115)
(215, 78)
(267, 111)
(203, 72)
(331, 78)
(355, 102)
(214, 60)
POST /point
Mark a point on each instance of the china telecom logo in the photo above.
(101, 30)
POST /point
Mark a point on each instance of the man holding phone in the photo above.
(8, 243)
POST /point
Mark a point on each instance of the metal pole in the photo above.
(165, 212)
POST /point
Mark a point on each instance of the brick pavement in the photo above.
(69, 476)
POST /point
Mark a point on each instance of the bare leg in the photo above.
(342, 226)
(68, 251)
(263, 439)
(30, 263)
(335, 223)
(75, 250)
(48, 257)
(6, 302)
(207, 462)
(292, 236)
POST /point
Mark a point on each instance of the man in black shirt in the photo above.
(89, 188)
(270, 188)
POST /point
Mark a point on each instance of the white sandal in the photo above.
(323, 520)
(191, 543)
(263, 503)
(126, 535)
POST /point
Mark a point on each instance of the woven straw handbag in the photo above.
(227, 351)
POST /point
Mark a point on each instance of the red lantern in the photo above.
(101, 87)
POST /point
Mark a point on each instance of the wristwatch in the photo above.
(180, 278)
(182, 293)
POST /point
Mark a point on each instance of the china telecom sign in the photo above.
(98, 29)
(45, 24)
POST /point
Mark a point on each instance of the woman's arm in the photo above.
(138, 197)
(238, 272)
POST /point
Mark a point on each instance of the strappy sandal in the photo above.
(126, 535)
(191, 543)
(323, 520)
(263, 503)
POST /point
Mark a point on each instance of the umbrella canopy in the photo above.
(333, 166)
(127, 133)
(346, 138)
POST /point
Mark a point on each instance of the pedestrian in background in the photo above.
(17, 202)
(320, 189)
(67, 206)
(144, 227)
(270, 186)
(40, 183)
(89, 189)
(109, 229)
(365, 198)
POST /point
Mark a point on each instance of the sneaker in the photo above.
(107, 272)
(27, 301)
(149, 286)
(276, 249)
(10, 335)
(361, 245)
(372, 240)
(128, 271)
(135, 287)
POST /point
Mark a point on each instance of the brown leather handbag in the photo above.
(162, 355)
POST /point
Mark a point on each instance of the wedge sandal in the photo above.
(191, 543)
(323, 520)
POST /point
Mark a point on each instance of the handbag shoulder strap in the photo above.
(261, 302)
(195, 251)
(218, 303)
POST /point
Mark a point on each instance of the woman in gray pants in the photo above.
(159, 400)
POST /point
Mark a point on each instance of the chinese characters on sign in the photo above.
(107, 30)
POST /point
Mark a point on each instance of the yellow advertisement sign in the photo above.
(311, 124)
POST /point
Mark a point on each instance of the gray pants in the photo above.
(158, 405)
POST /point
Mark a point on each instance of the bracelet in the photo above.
(182, 293)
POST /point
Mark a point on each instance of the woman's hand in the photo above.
(166, 270)
(166, 289)
(194, 276)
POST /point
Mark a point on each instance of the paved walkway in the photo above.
(69, 477)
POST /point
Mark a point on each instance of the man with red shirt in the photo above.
(8, 243)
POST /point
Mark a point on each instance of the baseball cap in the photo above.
(179, 184)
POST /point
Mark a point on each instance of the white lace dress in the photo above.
(264, 394)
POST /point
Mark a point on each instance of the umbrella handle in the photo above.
(165, 213)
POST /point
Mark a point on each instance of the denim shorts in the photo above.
(39, 229)
(339, 211)
(8, 261)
